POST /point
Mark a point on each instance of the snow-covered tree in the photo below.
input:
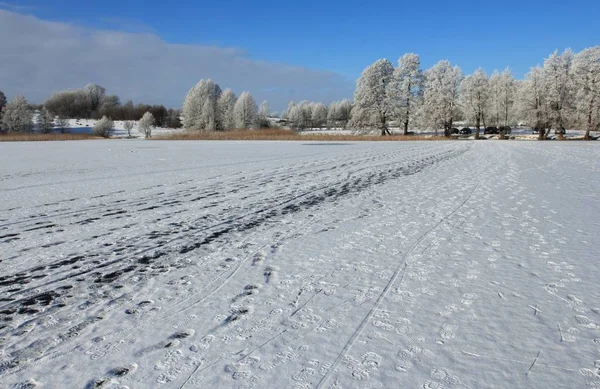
(2, 102)
(332, 114)
(406, 89)
(474, 97)
(70, 103)
(200, 107)
(558, 74)
(319, 115)
(17, 116)
(263, 114)
(440, 96)
(62, 123)
(339, 113)
(533, 101)
(45, 121)
(586, 69)
(96, 95)
(226, 105)
(503, 89)
(372, 104)
(245, 111)
(286, 113)
(146, 124)
(103, 127)
(301, 115)
(128, 126)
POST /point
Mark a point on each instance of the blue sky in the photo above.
(343, 37)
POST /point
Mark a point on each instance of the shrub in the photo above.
(103, 127)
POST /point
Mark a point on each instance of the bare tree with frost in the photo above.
(372, 103)
(263, 114)
(2, 102)
(17, 116)
(440, 96)
(103, 127)
(301, 115)
(200, 107)
(96, 95)
(319, 115)
(128, 126)
(406, 90)
(45, 121)
(286, 113)
(474, 97)
(558, 74)
(586, 70)
(503, 93)
(533, 102)
(245, 112)
(146, 124)
(62, 123)
(226, 105)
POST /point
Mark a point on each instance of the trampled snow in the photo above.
(151, 264)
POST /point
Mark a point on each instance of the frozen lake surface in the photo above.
(150, 264)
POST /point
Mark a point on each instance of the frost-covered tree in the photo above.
(103, 127)
(286, 113)
(339, 113)
(45, 121)
(2, 102)
(406, 89)
(245, 111)
(128, 126)
(96, 94)
(200, 107)
(319, 115)
(17, 116)
(70, 103)
(301, 114)
(226, 105)
(440, 96)
(533, 102)
(263, 114)
(62, 123)
(372, 103)
(503, 90)
(558, 74)
(146, 124)
(586, 70)
(474, 97)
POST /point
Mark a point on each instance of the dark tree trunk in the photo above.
(478, 126)
(589, 122)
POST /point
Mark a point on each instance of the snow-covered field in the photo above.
(136, 264)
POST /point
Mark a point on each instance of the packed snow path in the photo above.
(299, 265)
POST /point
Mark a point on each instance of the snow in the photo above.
(129, 263)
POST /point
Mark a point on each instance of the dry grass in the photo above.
(279, 134)
(14, 137)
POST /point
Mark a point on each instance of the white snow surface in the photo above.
(153, 264)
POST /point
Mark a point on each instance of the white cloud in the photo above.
(40, 57)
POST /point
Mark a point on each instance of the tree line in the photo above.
(90, 102)
(208, 108)
(562, 93)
